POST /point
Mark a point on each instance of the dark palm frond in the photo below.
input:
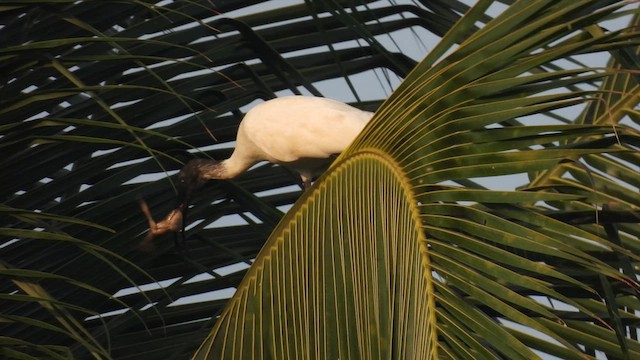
(101, 100)
(403, 249)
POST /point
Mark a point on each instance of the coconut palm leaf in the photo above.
(102, 101)
(396, 254)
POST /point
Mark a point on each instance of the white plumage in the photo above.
(301, 133)
(298, 132)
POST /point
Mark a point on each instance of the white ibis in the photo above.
(301, 133)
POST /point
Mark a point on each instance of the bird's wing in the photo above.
(289, 128)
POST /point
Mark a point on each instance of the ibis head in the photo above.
(194, 175)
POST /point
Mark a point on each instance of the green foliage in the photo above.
(332, 281)
(415, 244)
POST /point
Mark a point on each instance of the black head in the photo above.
(193, 176)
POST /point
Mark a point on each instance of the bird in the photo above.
(301, 133)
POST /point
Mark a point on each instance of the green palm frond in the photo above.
(388, 257)
(415, 244)
(101, 100)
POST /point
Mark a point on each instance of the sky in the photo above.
(414, 43)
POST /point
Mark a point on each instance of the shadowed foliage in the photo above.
(493, 198)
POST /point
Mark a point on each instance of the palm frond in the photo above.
(101, 101)
(487, 267)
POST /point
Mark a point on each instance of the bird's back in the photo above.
(287, 129)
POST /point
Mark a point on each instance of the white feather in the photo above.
(299, 132)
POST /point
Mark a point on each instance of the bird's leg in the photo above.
(306, 183)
